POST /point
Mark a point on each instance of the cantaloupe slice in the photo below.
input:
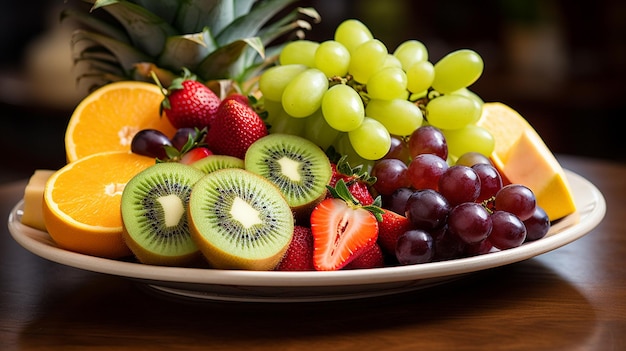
(32, 215)
(522, 157)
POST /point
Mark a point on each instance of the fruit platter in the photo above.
(211, 160)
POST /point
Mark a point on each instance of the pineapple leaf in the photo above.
(95, 24)
(242, 7)
(250, 24)
(194, 15)
(125, 54)
(166, 9)
(186, 50)
(226, 62)
(146, 30)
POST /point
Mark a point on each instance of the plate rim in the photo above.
(585, 219)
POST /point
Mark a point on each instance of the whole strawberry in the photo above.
(372, 258)
(390, 228)
(299, 255)
(357, 180)
(189, 103)
(235, 128)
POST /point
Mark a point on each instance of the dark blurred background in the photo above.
(561, 64)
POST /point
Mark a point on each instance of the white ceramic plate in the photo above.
(233, 285)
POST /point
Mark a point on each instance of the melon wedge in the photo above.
(32, 214)
(522, 157)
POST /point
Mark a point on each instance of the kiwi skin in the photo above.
(134, 233)
(220, 251)
(214, 162)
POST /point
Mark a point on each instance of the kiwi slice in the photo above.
(297, 166)
(239, 220)
(154, 214)
(212, 163)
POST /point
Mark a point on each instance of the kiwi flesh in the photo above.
(297, 166)
(239, 220)
(154, 215)
(212, 163)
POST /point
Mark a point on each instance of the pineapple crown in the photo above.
(231, 40)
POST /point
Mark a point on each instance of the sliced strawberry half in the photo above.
(342, 229)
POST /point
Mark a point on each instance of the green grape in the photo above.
(343, 108)
(387, 84)
(366, 59)
(400, 117)
(344, 147)
(286, 124)
(352, 33)
(273, 81)
(273, 109)
(420, 76)
(303, 95)
(470, 94)
(300, 52)
(370, 140)
(392, 61)
(459, 69)
(409, 52)
(452, 111)
(319, 131)
(332, 58)
(470, 138)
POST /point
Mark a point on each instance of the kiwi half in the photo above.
(239, 220)
(297, 166)
(154, 214)
(212, 163)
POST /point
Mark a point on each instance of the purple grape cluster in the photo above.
(456, 211)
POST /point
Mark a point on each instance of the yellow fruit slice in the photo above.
(108, 118)
(32, 215)
(81, 202)
(523, 158)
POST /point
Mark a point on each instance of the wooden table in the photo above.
(573, 298)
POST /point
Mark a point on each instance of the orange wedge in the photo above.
(108, 118)
(81, 202)
(522, 157)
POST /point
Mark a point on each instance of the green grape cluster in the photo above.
(351, 93)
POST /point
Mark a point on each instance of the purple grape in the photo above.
(151, 143)
(428, 140)
(479, 248)
(448, 245)
(516, 199)
(182, 135)
(413, 247)
(470, 221)
(459, 184)
(396, 201)
(490, 180)
(427, 209)
(507, 231)
(390, 175)
(398, 149)
(425, 170)
(537, 225)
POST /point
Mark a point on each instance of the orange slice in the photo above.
(81, 202)
(522, 157)
(109, 117)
